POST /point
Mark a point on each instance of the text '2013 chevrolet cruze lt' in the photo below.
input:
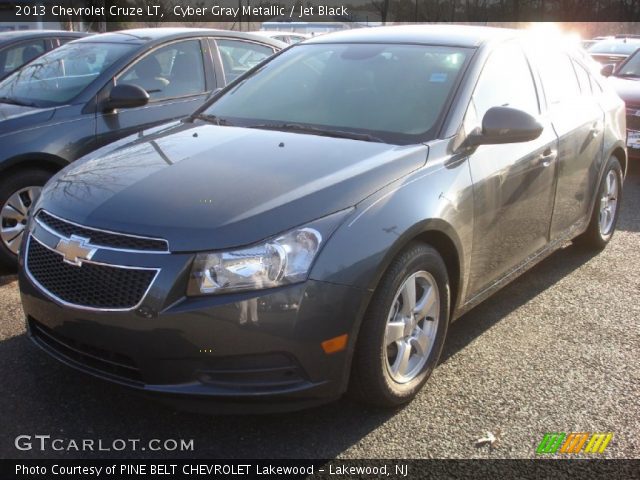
(317, 225)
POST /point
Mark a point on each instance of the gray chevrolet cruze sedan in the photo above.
(318, 224)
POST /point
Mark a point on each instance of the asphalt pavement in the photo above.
(555, 351)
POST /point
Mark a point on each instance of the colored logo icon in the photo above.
(575, 442)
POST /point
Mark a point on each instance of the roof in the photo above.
(277, 33)
(145, 35)
(26, 34)
(446, 35)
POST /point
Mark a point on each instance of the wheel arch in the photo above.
(440, 235)
(24, 161)
(621, 155)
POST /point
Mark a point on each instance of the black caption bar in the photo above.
(317, 469)
(366, 11)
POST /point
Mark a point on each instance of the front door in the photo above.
(513, 183)
(174, 77)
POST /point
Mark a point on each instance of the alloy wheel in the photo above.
(609, 203)
(411, 327)
(14, 214)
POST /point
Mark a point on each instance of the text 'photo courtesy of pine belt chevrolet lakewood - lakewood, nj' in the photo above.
(311, 219)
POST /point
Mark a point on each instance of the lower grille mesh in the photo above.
(106, 362)
(94, 286)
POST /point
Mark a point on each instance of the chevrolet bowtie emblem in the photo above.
(75, 250)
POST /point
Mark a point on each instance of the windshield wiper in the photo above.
(628, 75)
(13, 101)
(324, 132)
(214, 119)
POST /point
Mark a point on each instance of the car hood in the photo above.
(205, 187)
(628, 89)
(17, 117)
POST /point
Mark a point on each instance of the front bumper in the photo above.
(255, 351)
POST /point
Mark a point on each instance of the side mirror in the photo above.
(505, 125)
(126, 96)
(608, 69)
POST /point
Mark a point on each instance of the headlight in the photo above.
(286, 259)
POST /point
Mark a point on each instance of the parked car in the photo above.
(614, 50)
(20, 47)
(625, 79)
(286, 37)
(98, 89)
(317, 225)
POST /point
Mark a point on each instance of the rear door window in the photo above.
(15, 56)
(238, 56)
(583, 79)
(558, 78)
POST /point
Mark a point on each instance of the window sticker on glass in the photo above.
(438, 78)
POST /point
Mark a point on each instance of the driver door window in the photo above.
(175, 70)
(506, 81)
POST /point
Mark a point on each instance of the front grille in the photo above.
(110, 363)
(90, 285)
(102, 238)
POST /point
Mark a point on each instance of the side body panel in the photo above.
(436, 198)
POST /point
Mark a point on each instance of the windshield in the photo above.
(615, 47)
(393, 93)
(631, 67)
(58, 76)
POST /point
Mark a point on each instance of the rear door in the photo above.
(513, 183)
(177, 76)
(579, 123)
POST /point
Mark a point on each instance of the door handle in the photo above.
(595, 131)
(547, 157)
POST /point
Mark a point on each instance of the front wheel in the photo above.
(17, 194)
(404, 329)
(605, 214)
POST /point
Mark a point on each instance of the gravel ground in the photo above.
(557, 350)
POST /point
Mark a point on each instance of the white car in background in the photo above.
(287, 37)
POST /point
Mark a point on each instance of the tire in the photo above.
(13, 207)
(376, 376)
(599, 231)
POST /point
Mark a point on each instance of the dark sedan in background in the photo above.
(316, 226)
(625, 79)
(98, 89)
(613, 50)
(19, 48)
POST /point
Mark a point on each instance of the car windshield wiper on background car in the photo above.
(296, 127)
(214, 119)
(13, 101)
